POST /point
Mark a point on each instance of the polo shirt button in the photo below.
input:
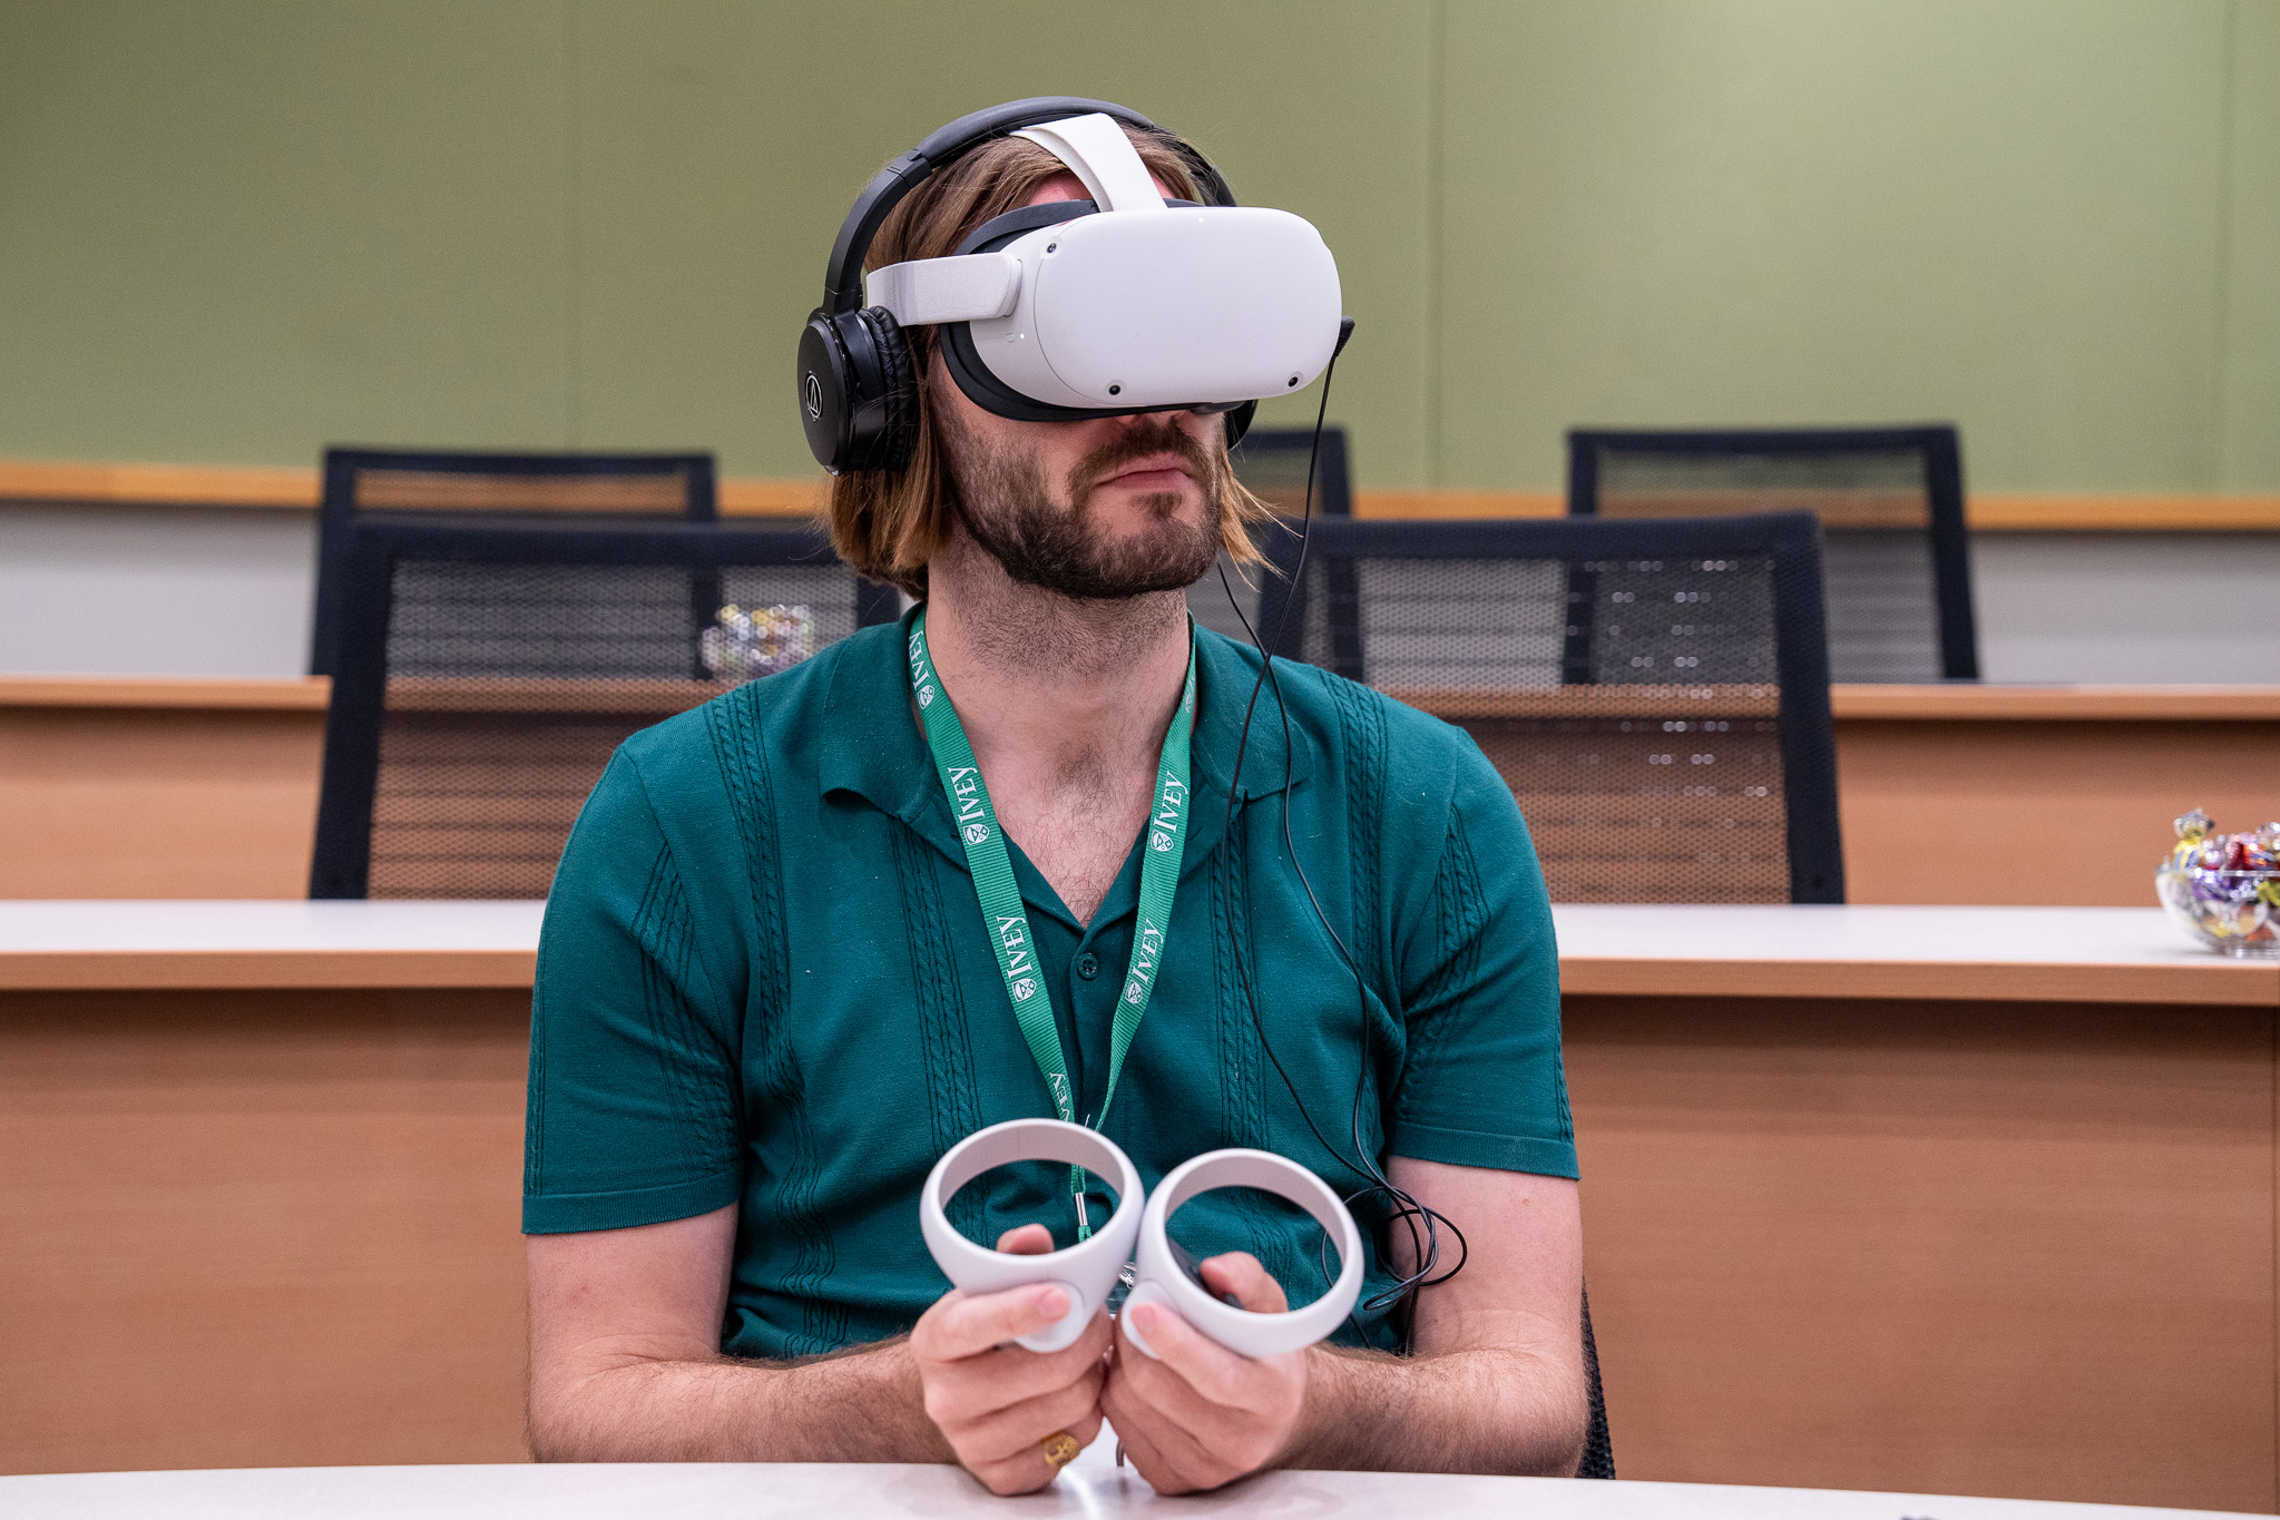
(1088, 965)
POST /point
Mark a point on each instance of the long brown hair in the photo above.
(889, 523)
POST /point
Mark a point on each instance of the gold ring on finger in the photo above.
(1060, 1449)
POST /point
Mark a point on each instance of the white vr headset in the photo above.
(1137, 1233)
(1120, 303)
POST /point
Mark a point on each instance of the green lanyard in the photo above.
(1008, 922)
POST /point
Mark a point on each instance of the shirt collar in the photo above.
(871, 744)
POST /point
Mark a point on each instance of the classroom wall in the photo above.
(235, 231)
(205, 591)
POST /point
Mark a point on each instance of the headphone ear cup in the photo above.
(898, 392)
(827, 398)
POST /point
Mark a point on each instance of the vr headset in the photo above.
(1105, 307)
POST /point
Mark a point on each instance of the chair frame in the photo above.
(1939, 443)
(1333, 480)
(341, 862)
(1792, 540)
(338, 514)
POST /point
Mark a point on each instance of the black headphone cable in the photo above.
(1407, 1210)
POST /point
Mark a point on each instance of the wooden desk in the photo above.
(1947, 794)
(1089, 1486)
(159, 788)
(2041, 794)
(1913, 1199)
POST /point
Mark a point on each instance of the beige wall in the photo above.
(236, 231)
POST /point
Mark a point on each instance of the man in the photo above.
(768, 1000)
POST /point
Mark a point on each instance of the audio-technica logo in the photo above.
(813, 392)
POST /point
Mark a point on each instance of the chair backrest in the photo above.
(1890, 500)
(500, 486)
(1656, 694)
(1273, 463)
(1598, 1460)
(487, 672)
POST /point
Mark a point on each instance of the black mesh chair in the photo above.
(494, 486)
(487, 672)
(1598, 1460)
(1272, 462)
(1890, 501)
(1656, 694)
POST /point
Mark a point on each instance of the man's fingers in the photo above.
(1217, 1374)
(972, 1324)
(1165, 1455)
(1135, 1429)
(1027, 1471)
(1239, 1273)
(1026, 1240)
(1024, 1426)
(976, 1385)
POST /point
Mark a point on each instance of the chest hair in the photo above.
(1077, 830)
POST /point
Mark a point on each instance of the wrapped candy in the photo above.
(2191, 829)
(743, 645)
(2224, 887)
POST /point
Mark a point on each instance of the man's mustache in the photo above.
(1137, 443)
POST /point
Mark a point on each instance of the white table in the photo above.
(2032, 954)
(1088, 1487)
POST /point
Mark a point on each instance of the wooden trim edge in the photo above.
(1982, 702)
(66, 482)
(250, 693)
(2230, 983)
(1961, 702)
(2234, 984)
(213, 970)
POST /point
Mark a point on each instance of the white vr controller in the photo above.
(1088, 1271)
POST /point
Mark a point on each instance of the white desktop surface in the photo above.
(1645, 931)
(2002, 953)
(129, 926)
(1091, 1486)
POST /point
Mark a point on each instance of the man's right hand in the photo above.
(995, 1402)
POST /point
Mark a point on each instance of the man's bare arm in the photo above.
(625, 1366)
(625, 1363)
(1497, 1384)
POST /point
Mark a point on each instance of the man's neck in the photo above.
(1053, 688)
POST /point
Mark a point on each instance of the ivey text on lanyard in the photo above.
(991, 866)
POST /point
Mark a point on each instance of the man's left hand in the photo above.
(1203, 1415)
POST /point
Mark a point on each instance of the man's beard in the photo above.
(1003, 501)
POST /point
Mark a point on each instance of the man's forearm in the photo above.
(1486, 1411)
(858, 1406)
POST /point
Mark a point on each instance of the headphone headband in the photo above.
(843, 277)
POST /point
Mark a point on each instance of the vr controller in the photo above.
(1164, 1273)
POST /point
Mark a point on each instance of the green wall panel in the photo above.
(1668, 212)
(2250, 400)
(232, 232)
(720, 144)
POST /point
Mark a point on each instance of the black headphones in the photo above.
(858, 385)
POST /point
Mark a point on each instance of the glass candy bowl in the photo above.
(2224, 887)
(2236, 912)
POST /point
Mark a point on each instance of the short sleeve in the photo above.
(633, 1113)
(1483, 1083)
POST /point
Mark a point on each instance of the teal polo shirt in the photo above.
(764, 980)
